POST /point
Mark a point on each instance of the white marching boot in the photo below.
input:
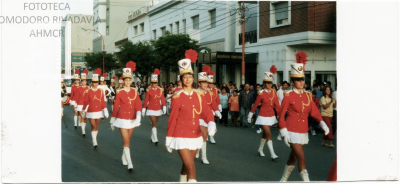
(192, 181)
(75, 121)
(83, 126)
(271, 150)
(154, 131)
(79, 121)
(128, 158)
(94, 139)
(183, 179)
(198, 152)
(124, 161)
(286, 172)
(260, 149)
(212, 140)
(204, 154)
(304, 175)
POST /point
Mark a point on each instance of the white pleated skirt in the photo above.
(298, 138)
(125, 123)
(71, 102)
(261, 120)
(154, 113)
(94, 115)
(79, 108)
(203, 123)
(178, 143)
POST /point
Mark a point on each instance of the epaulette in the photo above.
(198, 92)
(287, 93)
(86, 90)
(260, 92)
(209, 91)
(162, 89)
(134, 88)
(177, 94)
(118, 90)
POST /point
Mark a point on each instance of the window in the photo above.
(213, 18)
(280, 13)
(163, 31)
(135, 31)
(107, 13)
(184, 26)
(170, 28)
(195, 21)
(154, 34)
(108, 30)
(177, 27)
(142, 27)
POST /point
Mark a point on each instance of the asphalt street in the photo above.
(234, 158)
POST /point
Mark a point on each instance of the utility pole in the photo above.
(243, 42)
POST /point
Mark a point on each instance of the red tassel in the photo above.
(77, 71)
(86, 71)
(131, 65)
(156, 71)
(206, 69)
(98, 71)
(211, 73)
(273, 69)
(192, 55)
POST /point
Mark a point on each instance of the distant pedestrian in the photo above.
(328, 102)
(318, 92)
(225, 108)
(245, 99)
(234, 108)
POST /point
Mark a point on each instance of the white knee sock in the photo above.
(75, 120)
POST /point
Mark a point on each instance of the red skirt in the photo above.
(328, 121)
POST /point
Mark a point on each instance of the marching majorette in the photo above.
(120, 83)
(153, 102)
(126, 112)
(188, 106)
(212, 88)
(103, 85)
(73, 97)
(81, 98)
(64, 96)
(294, 128)
(179, 84)
(113, 91)
(208, 97)
(94, 106)
(266, 118)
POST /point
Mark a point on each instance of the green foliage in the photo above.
(95, 60)
(171, 48)
(142, 53)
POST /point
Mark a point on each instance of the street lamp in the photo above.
(101, 38)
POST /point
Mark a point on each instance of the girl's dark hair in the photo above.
(330, 95)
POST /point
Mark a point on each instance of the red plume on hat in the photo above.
(211, 72)
(120, 78)
(206, 69)
(85, 71)
(104, 75)
(77, 71)
(98, 71)
(156, 71)
(273, 69)
(113, 77)
(192, 55)
(301, 57)
(131, 65)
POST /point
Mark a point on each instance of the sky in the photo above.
(84, 7)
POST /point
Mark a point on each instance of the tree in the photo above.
(95, 60)
(142, 53)
(171, 48)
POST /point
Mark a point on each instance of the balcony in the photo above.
(249, 37)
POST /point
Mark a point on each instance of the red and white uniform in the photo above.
(126, 106)
(216, 97)
(183, 130)
(80, 96)
(269, 101)
(210, 101)
(178, 88)
(154, 101)
(73, 96)
(96, 103)
(299, 105)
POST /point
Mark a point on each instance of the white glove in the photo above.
(286, 136)
(143, 111)
(105, 111)
(220, 107)
(164, 109)
(212, 128)
(167, 142)
(324, 127)
(112, 120)
(83, 114)
(218, 114)
(213, 112)
(138, 117)
(112, 127)
(249, 117)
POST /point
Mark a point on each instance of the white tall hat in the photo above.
(297, 70)
(127, 73)
(185, 66)
(202, 77)
(95, 77)
(120, 80)
(211, 77)
(154, 78)
(268, 76)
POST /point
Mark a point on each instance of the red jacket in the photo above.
(216, 96)
(177, 89)
(127, 104)
(268, 101)
(299, 107)
(80, 93)
(153, 98)
(73, 92)
(186, 111)
(95, 100)
(210, 99)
